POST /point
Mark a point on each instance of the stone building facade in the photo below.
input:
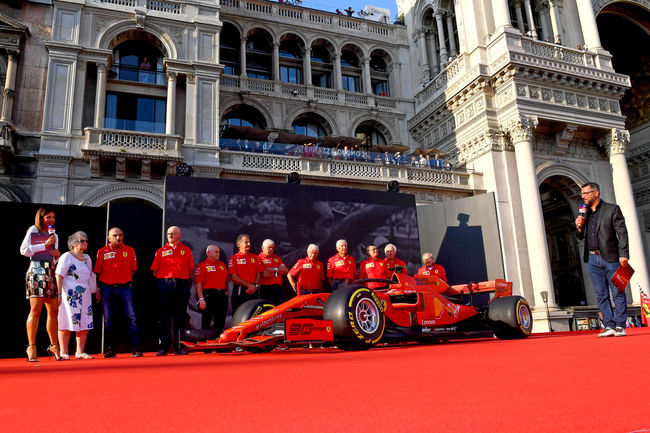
(103, 98)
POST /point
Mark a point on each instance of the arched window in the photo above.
(291, 60)
(370, 133)
(321, 64)
(350, 71)
(310, 124)
(379, 74)
(229, 41)
(259, 55)
(244, 115)
(138, 61)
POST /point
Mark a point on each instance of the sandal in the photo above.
(64, 357)
(31, 353)
(82, 356)
(53, 353)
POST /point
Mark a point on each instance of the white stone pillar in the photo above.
(9, 91)
(170, 121)
(441, 39)
(452, 40)
(190, 109)
(501, 14)
(521, 134)
(338, 81)
(520, 18)
(555, 20)
(588, 24)
(79, 94)
(421, 36)
(615, 143)
(306, 66)
(531, 20)
(100, 96)
(367, 84)
(276, 61)
(430, 41)
(544, 18)
(242, 57)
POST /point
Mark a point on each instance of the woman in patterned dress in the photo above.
(39, 281)
(76, 281)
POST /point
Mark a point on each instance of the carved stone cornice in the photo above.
(563, 139)
(139, 17)
(615, 141)
(521, 128)
(487, 141)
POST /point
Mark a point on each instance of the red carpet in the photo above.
(547, 383)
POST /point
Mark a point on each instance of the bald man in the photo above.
(173, 266)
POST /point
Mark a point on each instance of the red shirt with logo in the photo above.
(341, 267)
(115, 266)
(395, 262)
(310, 273)
(173, 262)
(270, 262)
(373, 268)
(246, 266)
(436, 270)
(211, 275)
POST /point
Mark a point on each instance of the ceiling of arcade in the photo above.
(624, 29)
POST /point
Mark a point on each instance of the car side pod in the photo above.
(357, 317)
(510, 317)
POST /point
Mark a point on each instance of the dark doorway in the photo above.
(563, 250)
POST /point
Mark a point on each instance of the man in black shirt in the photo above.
(606, 248)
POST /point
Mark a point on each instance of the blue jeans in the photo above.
(123, 295)
(601, 273)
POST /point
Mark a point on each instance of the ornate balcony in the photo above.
(120, 146)
(6, 143)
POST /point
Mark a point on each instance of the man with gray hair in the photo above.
(310, 273)
(271, 278)
(211, 279)
(392, 261)
(341, 267)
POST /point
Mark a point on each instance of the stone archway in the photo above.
(558, 194)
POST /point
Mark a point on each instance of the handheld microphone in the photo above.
(582, 211)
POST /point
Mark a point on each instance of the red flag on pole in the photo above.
(645, 309)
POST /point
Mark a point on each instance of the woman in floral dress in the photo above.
(76, 280)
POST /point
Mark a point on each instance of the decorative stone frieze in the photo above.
(615, 141)
(521, 128)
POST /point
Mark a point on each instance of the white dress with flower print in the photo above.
(76, 310)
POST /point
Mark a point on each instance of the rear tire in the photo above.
(511, 317)
(357, 317)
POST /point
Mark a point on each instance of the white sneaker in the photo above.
(620, 332)
(608, 332)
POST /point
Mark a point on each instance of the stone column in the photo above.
(615, 143)
(100, 96)
(430, 41)
(421, 36)
(10, 87)
(337, 72)
(306, 66)
(543, 11)
(521, 135)
(452, 40)
(242, 57)
(588, 24)
(79, 94)
(531, 21)
(170, 121)
(555, 20)
(501, 14)
(276, 61)
(520, 18)
(191, 115)
(441, 39)
(367, 84)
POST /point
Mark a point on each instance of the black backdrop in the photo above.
(142, 228)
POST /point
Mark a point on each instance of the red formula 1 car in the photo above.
(420, 308)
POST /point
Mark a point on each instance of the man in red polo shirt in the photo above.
(431, 267)
(310, 273)
(392, 261)
(341, 267)
(373, 267)
(173, 266)
(114, 267)
(274, 268)
(211, 282)
(245, 271)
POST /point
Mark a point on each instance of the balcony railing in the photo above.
(140, 75)
(439, 83)
(549, 50)
(132, 143)
(168, 6)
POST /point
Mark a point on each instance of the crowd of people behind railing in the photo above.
(341, 152)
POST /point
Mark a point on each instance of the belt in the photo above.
(596, 252)
(173, 280)
(127, 284)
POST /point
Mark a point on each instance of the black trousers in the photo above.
(272, 293)
(216, 308)
(239, 296)
(173, 294)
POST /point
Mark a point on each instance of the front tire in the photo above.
(357, 317)
(511, 317)
(248, 310)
